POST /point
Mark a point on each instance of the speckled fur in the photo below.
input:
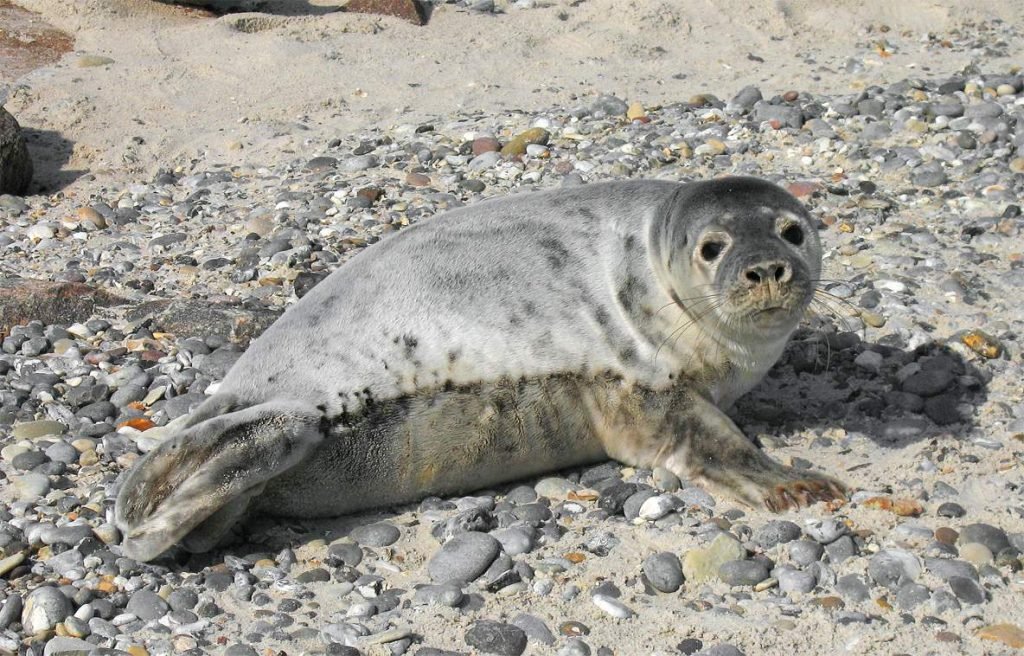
(500, 341)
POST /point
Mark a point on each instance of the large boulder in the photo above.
(15, 163)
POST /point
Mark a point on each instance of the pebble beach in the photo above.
(130, 282)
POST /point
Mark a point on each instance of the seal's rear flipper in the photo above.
(209, 468)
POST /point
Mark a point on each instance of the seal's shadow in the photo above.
(894, 396)
(50, 153)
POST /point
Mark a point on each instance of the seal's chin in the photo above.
(772, 317)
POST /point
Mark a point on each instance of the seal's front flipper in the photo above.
(209, 468)
(708, 446)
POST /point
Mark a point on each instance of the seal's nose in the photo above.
(776, 271)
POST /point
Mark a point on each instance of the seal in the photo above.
(496, 342)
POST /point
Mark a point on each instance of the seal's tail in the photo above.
(207, 469)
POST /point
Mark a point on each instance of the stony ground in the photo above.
(905, 383)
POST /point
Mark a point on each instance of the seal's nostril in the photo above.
(753, 276)
(780, 272)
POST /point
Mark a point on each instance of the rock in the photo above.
(976, 553)
(992, 537)
(966, 590)
(31, 486)
(853, 588)
(657, 507)
(612, 606)
(15, 162)
(445, 594)
(723, 649)
(64, 646)
(892, 567)
(535, 628)
(30, 430)
(147, 605)
(193, 317)
(463, 558)
(793, 580)
(664, 571)
(911, 595)
(517, 145)
(516, 540)
(1010, 635)
(10, 611)
(376, 535)
(25, 299)
(743, 572)
(44, 608)
(490, 637)
(777, 531)
(703, 563)
(410, 10)
(805, 552)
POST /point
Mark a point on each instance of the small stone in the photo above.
(777, 531)
(147, 605)
(792, 580)
(664, 571)
(376, 535)
(853, 588)
(517, 145)
(44, 608)
(464, 557)
(612, 606)
(805, 552)
(65, 646)
(535, 628)
(950, 509)
(703, 564)
(992, 537)
(690, 646)
(31, 486)
(483, 145)
(911, 595)
(92, 61)
(665, 480)
(492, 637)
(743, 572)
(657, 507)
(1010, 635)
(415, 179)
(31, 430)
(554, 487)
(966, 590)
(976, 553)
(892, 567)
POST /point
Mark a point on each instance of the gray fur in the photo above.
(499, 341)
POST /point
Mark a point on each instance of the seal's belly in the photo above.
(458, 440)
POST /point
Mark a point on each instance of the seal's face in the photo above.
(753, 258)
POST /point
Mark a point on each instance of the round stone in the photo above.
(950, 509)
(492, 637)
(792, 580)
(777, 531)
(743, 572)
(463, 558)
(376, 535)
(976, 553)
(992, 537)
(805, 552)
(966, 590)
(147, 605)
(44, 608)
(664, 571)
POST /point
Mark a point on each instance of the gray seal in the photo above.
(500, 341)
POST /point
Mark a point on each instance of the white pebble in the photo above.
(612, 606)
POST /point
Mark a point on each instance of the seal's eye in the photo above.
(794, 234)
(711, 250)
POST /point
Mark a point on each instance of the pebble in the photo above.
(892, 567)
(463, 558)
(792, 580)
(657, 507)
(703, 563)
(612, 606)
(990, 536)
(376, 535)
(976, 553)
(534, 628)
(805, 552)
(743, 572)
(664, 571)
(776, 531)
(44, 608)
(492, 637)
(966, 589)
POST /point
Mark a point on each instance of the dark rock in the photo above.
(410, 10)
(196, 317)
(15, 162)
(25, 299)
(492, 637)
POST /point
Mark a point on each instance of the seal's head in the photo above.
(740, 254)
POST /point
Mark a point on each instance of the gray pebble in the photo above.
(992, 537)
(516, 540)
(664, 571)
(777, 531)
(360, 163)
(631, 507)
(966, 590)
(444, 594)
(44, 608)
(574, 647)
(911, 595)
(793, 580)
(10, 611)
(827, 531)
(893, 567)
(535, 628)
(346, 553)
(463, 558)
(853, 588)
(498, 638)
(805, 552)
(147, 605)
(381, 534)
(743, 572)
(723, 649)
(182, 599)
(944, 568)
(841, 550)
(950, 509)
